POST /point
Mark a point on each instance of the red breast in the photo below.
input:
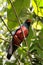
(20, 34)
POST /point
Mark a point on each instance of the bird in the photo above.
(18, 37)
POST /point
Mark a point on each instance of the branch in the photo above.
(15, 13)
(5, 25)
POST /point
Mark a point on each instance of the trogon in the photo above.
(18, 37)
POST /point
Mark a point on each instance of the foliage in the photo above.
(32, 9)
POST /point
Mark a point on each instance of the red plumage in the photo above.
(18, 37)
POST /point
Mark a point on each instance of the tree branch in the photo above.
(15, 13)
(5, 25)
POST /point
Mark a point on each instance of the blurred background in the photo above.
(24, 9)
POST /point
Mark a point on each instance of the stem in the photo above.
(5, 25)
(18, 21)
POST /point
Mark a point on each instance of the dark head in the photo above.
(28, 21)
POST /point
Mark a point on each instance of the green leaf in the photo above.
(27, 63)
(38, 7)
(37, 26)
(30, 36)
(9, 63)
(19, 6)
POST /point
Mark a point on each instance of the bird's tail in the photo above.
(11, 49)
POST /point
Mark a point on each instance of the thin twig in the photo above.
(18, 21)
(5, 25)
